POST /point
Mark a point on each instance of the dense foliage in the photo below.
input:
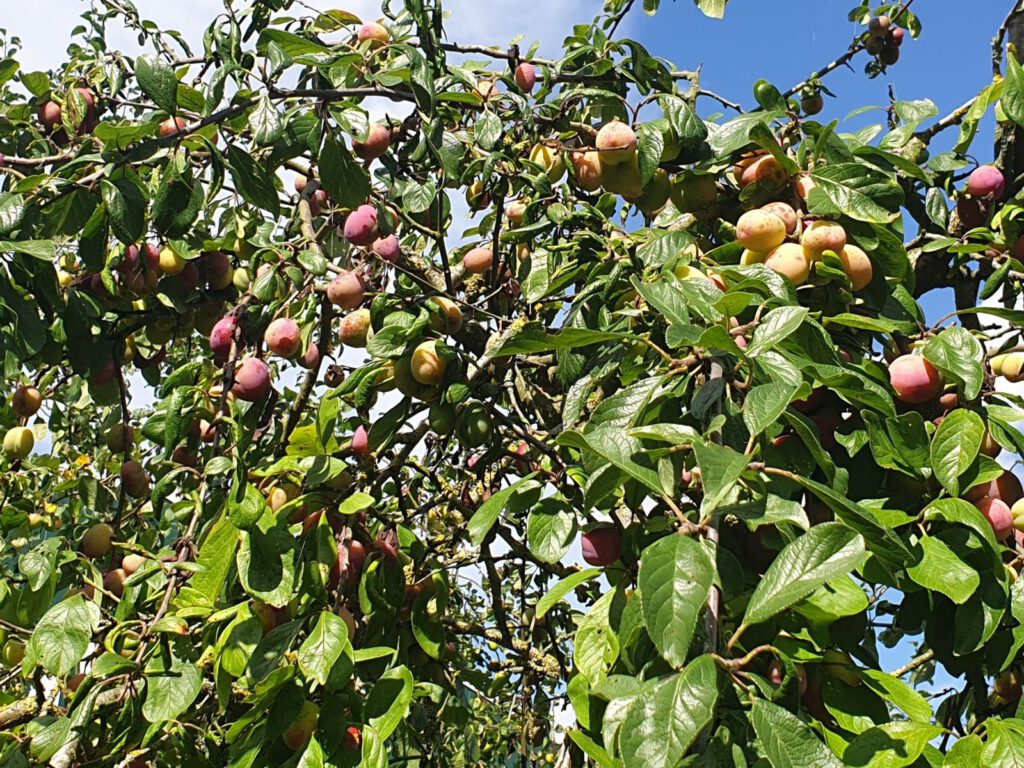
(293, 478)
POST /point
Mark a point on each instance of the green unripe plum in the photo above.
(693, 191)
(12, 653)
(18, 442)
(476, 427)
(623, 178)
(120, 437)
(441, 418)
(97, 541)
(655, 194)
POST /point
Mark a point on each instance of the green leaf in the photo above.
(958, 355)
(650, 144)
(665, 720)
(215, 558)
(170, 689)
(126, 208)
(786, 740)
(823, 553)
(891, 745)
(597, 643)
(941, 570)
(157, 80)
(713, 8)
(1005, 745)
(266, 565)
(955, 446)
(1012, 100)
(341, 175)
(550, 529)
(62, 636)
(487, 513)
(253, 181)
(612, 444)
(265, 122)
(44, 250)
(775, 326)
(324, 646)
(904, 696)
(856, 190)
(676, 574)
(765, 403)
(720, 467)
(535, 339)
(389, 700)
(563, 588)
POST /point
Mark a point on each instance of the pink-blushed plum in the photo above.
(188, 278)
(760, 230)
(785, 212)
(132, 563)
(857, 266)
(821, 236)
(113, 581)
(388, 248)
(172, 126)
(526, 76)
(219, 272)
(361, 226)
(989, 446)
(222, 338)
(986, 181)
(1007, 685)
(998, 514)
(766, 170)
(895, 37)
(478, 260)
(789, 260)
(134, 478)
(361, 441)
(311, 357)
(776, 674)
(26, 401)
(515, 212)
(49, 115)
(376, 34)
(914, 379)
(602, 545)
(427, 366)
(346, 290)
(378, 141)
(616, 143)
(355, 328)
(1007, 488)
(283, 337)
(588, 170)
(878, 27)
(252, 380)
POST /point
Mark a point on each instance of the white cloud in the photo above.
(495, 22)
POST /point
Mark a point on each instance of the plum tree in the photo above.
(536, 392)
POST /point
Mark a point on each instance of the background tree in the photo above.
(291, 477)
